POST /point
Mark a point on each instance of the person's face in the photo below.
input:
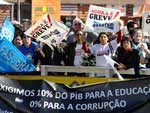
(27, 41)
(80, 36)
(103, 39)
(138, 37)
(127, 45)
(78, 26)
(18, 41)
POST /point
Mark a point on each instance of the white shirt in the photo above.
(100, 50)
(78, 55)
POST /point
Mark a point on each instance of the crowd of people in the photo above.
(129, 50)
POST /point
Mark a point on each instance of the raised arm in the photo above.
(119, 37)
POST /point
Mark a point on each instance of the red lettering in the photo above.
(100, 12)
(148, 16)
(36, 29)
(111, 13)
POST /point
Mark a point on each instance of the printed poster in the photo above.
(41, 96)
(48, 30)
(102, 19)
(146, 23)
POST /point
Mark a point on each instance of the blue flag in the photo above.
(12, 60)
(7, 30)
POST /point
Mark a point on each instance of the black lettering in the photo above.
(40, 31)
(148, 21)
(91, 16)
(35, 36)
(107, 17)
(99, 17)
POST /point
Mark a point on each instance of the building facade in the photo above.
(130, 9)
(29, 11)
(5, 10)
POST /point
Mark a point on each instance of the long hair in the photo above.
(125, 38)
(97, 41)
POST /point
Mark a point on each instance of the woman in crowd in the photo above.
(139, 44)
(17, 41)
(127, 57)
(74, 51)
(78, 25)
(102, 47)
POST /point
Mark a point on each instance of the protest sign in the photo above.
(7, 30)
(48, 30)
(12, 60)
(146, 23)
(40, 96)
(102, 19)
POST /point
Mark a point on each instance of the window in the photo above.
(25, 11)
(67, 20)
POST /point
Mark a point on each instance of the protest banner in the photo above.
(12, 60)
(146, 23)
(41, 96)
(102, 19)
(7, 30)
(48, 30)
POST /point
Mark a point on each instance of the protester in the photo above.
(145, 61)
(74, 51)
(102, 47)
(17, 41)
(127, 57)
(48, 52)
(32, 51)
(54, 55)
(147, 41)
(59, 53)
(131, 27)
(139, 44)
(79, 25)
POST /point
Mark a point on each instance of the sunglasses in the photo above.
(77, 24)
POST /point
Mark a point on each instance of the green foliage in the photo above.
(88, 60)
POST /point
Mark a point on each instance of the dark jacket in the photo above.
(70, 52)
(130, 59)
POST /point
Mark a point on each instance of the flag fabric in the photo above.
(112, 62)
(43, 96)
(146, 23)
(102, 19)
(7, 30)
(12, 60)
(48, 30)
